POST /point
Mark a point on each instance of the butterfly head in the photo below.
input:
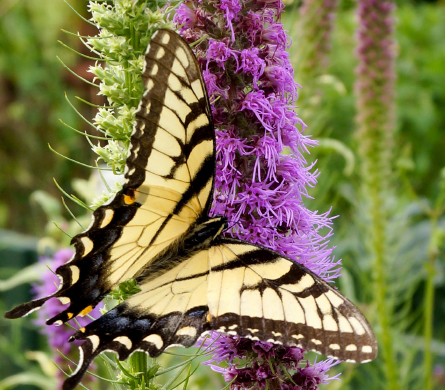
(214, 227)
(204, 233)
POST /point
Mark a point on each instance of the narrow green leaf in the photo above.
(71, 213)
(79, 15)
(63, 231)
(70, 159)
(79, 53)
(74, 199)
(84, 133)
(78, 113)
(75, 74)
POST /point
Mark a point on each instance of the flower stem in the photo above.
(378, 229)
(433, 250)
(139, 364)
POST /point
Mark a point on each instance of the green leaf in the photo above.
(28, 378)
(26, 275)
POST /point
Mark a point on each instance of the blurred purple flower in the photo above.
(374, 87)
(316, 25)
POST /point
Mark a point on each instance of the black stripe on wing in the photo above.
(297, 307)
(176, 103)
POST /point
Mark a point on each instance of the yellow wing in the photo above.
(236, 288)
(168, 183)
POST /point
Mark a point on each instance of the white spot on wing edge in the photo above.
(367, 349)
(148, 87)
(108, 217)
(75, 272)
(154, 70)
(254, 338)
(154, 339)
(95, 341)
(88, 245)
(274, 341)
(160, 53)
(64, 300)
(124, 340)
(181, 55)
(187, 331)
(165, 39)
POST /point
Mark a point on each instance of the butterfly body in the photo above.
(157, 230)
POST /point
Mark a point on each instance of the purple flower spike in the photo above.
(257, 187)
(374, 87)
(219, 52)
(316, 26)
(259, 359)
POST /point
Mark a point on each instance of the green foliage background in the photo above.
(32, 86)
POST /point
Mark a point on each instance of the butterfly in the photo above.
(157, 231)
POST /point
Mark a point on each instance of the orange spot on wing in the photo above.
(86, 310)
(130, 196)
(129, 199)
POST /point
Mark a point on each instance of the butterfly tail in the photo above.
(87, 353)
(26, 308)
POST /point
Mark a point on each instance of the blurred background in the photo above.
(33, 84)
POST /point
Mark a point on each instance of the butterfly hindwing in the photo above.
(240, 289)
(259, 294)
(168, 183)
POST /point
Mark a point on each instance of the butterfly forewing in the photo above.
(168, 183)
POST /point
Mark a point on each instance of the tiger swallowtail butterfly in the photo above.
(157, 230)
